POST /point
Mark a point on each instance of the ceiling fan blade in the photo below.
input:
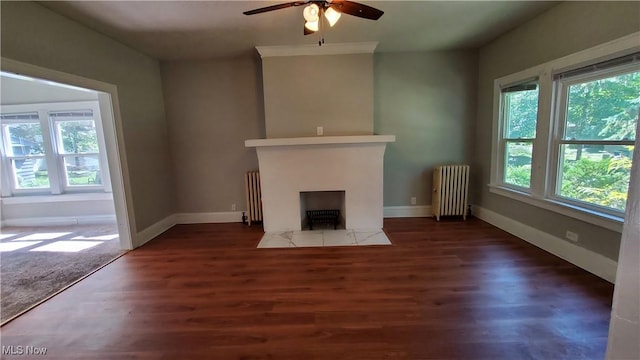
(356, 9)
(274, 7)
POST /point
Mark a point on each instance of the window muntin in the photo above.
(598, 119)
(519, 117)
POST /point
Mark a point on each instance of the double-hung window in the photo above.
(519, 108)
(52, 148)
(25, 151)
(77, 147)
(565, 131)
(596, 131)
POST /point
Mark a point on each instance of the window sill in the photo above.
(56, 198)
(613, 223)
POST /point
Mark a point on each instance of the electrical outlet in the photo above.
(320, 130)
(571, 236)
(233, 207)
(413, 200)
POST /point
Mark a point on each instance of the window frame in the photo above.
(54, 158)
(8, 159)
(504, 140)
(61, 154)
(560, 122)
(545, 149)
(499, 144)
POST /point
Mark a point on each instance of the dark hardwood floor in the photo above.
(448, 290)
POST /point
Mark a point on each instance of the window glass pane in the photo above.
(77, 137)
(604, 109)
(521, 112)
(24, 139)
(82, 170)
(596, 174)
(30, 173)
(518, 163)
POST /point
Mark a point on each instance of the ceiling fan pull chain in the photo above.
(321, 20)
(321, 26)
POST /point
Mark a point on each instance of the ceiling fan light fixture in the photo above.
(312, 25)
(332, 16)
(311, 13)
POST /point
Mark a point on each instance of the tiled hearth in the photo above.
(317, 238)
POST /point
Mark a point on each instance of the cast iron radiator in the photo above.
(450, 190)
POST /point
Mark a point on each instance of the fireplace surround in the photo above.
(289, 166)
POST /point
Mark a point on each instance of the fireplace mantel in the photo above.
(289, 166)
(321, 140)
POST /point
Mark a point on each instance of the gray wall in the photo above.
(213, 106)
(304, 92)
(35, 35)
(427, 100)
(562, 30)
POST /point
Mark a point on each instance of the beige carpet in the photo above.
(35, 263)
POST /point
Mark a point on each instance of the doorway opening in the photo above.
(63, 207)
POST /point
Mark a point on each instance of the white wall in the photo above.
(624, 329)
(17, 91)
(58, 210)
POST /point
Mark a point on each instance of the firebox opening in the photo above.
(323, 207)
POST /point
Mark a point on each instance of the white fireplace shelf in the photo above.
(321, 140)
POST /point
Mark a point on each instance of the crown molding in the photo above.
(310, 50)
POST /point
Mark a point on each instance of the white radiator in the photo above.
(450, 190)
(254, 196)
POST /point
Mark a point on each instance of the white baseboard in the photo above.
(211, 217)
(185, 218)
(588, 260)
(154, 230)
(61, 221)
(408, 211)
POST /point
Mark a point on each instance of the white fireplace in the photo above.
(290, 166)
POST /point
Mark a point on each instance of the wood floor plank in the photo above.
(442, 290)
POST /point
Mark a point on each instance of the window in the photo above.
(519, 115)
(52, 148)
(77, 144)
(597, 131)
(565, 131)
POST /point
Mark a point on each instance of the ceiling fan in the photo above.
(330, 9)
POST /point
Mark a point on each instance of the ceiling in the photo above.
(172, 30)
